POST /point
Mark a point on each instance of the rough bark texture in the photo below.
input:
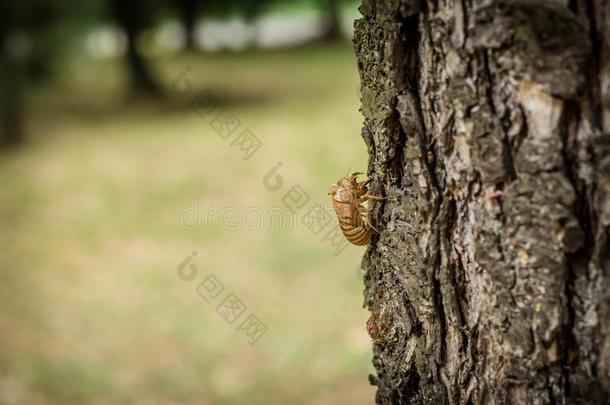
(488, 129)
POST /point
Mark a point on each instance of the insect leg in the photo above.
(364, 215)
(372, 197)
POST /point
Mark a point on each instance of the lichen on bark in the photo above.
(488, 129)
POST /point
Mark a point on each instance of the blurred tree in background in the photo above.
(250, 10)
(28, 44)
(331, 19)
(35, 36)
(188, 13)
(134, 17)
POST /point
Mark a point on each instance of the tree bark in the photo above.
(488, 129)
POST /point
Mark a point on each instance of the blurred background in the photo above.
(149, 152)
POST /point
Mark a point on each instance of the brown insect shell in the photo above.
(348, 191)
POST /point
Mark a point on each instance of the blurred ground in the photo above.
(92, 308)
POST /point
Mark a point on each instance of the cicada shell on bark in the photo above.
(348, 196)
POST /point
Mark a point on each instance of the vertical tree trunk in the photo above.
(11, 98)
(132, 16)
(331, 20)
(488, 129)
(188, 15)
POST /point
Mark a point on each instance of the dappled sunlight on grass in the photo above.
(93, 309)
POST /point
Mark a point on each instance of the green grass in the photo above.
(93, 310)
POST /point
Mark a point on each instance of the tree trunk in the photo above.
(488, 129)
(188, 15)
(331, 20)
(11, 98)
(133, 16)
